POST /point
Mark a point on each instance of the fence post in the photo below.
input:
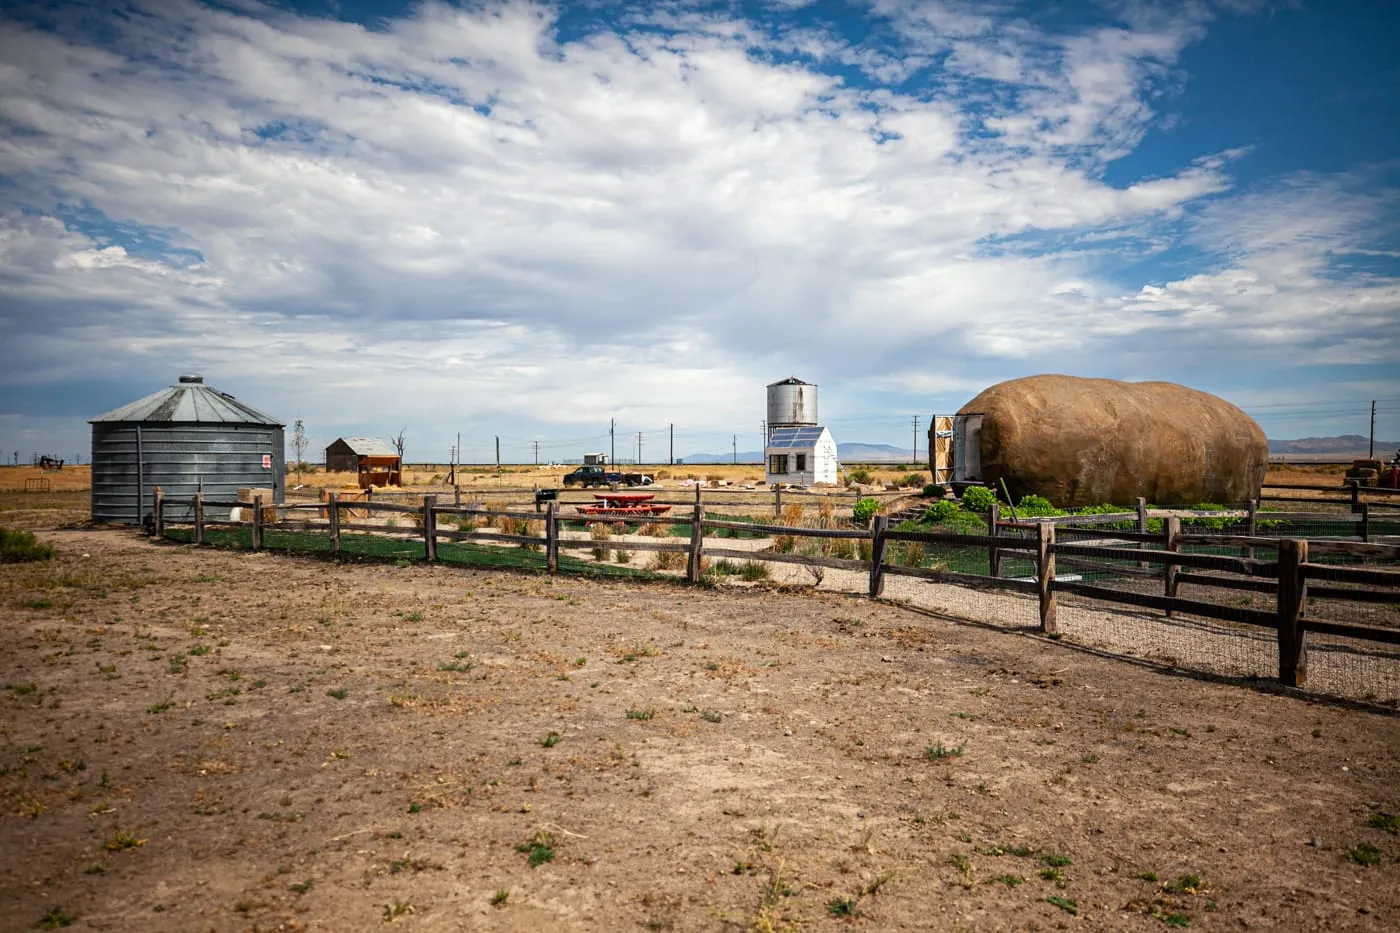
(1355, 496)
(429, 528)
(1141, 505)
(257, 523)
(333, 512)
(777, 501)
(878, 528)
(158, 525)
(1292, 602)
(1045, 575)
(456, 497)
(1251, 524)
(993, 555)
(692, 564)
(199, 518)
(1171, 534)
(551, 537)
(1366, 521)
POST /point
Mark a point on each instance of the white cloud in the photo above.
(651, 222)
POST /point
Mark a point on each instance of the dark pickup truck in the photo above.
(598, 476)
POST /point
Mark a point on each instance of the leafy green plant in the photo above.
(1386, 821)
(940, 751)
(1364, 854)
(864, 509)
(499, 897)
(552, 739)
(1037, 507)
(540, 848)
(55, 918)
(1065, 904)
(978, 498)
(842, 907)
(18, 547)
(935, 490)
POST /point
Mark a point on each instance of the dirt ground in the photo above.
(212, 740)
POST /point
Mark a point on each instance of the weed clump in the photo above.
(18, 547)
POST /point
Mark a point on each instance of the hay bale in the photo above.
(1082, 442)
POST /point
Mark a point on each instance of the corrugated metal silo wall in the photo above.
(177, 458)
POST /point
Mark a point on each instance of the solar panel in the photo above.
(795, 437)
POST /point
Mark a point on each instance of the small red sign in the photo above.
(267, 461)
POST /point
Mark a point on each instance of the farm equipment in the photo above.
(623, 505)
(50, 464)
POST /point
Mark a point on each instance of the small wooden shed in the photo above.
(375, 462)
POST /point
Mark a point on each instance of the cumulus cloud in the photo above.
(651, 219)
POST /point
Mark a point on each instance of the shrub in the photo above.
(910, 479)
(935, 491)
(1037, 507)
(861, 476)
(865, 508)
(753, 571)
(600, 531)
(914, 554)
(17, 547)
(668, 560)
(942, 512)
(978, 498)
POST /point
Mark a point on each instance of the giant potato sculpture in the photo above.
(1086, 441)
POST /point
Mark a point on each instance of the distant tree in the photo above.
(398, 441)
(299, 445)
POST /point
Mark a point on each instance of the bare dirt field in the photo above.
(213, 740)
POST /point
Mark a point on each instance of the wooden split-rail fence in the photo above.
(1293, 576)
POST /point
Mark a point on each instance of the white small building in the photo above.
(800, 456)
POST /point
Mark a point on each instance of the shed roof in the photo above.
(367, 446)
(188, 401)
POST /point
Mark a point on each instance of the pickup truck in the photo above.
(598, 476)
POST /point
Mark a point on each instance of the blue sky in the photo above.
(526, 219)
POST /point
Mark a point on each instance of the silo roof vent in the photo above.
(192, 379)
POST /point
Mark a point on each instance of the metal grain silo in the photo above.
(792, 403)
(185, 438)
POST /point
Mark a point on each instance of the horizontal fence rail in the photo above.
(1303, 581)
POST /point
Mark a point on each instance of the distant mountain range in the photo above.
(849, 453)
(1340, 447)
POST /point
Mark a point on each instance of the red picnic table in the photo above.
(624, 505)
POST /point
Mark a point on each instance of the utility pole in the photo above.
(498, 453)
(1372, 454)
(673, 444)
(612, 440)
(916, 440)
(537, 453)
(735, 442)
(639, 448)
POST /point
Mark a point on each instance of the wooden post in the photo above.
(257, 523)
(199, 518)
(1045, 575)
(1355, 496)
(158, 503)
(551, 537)
(698, 500)
(878, 527)
(692, 565)
(1251, 524)
(993, 555)
(333, 511)
(777, 501)
(1365, 521)
(456, 497)
(1292, 602)
(429, 528)
(1171, 535)
(1141, 505)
